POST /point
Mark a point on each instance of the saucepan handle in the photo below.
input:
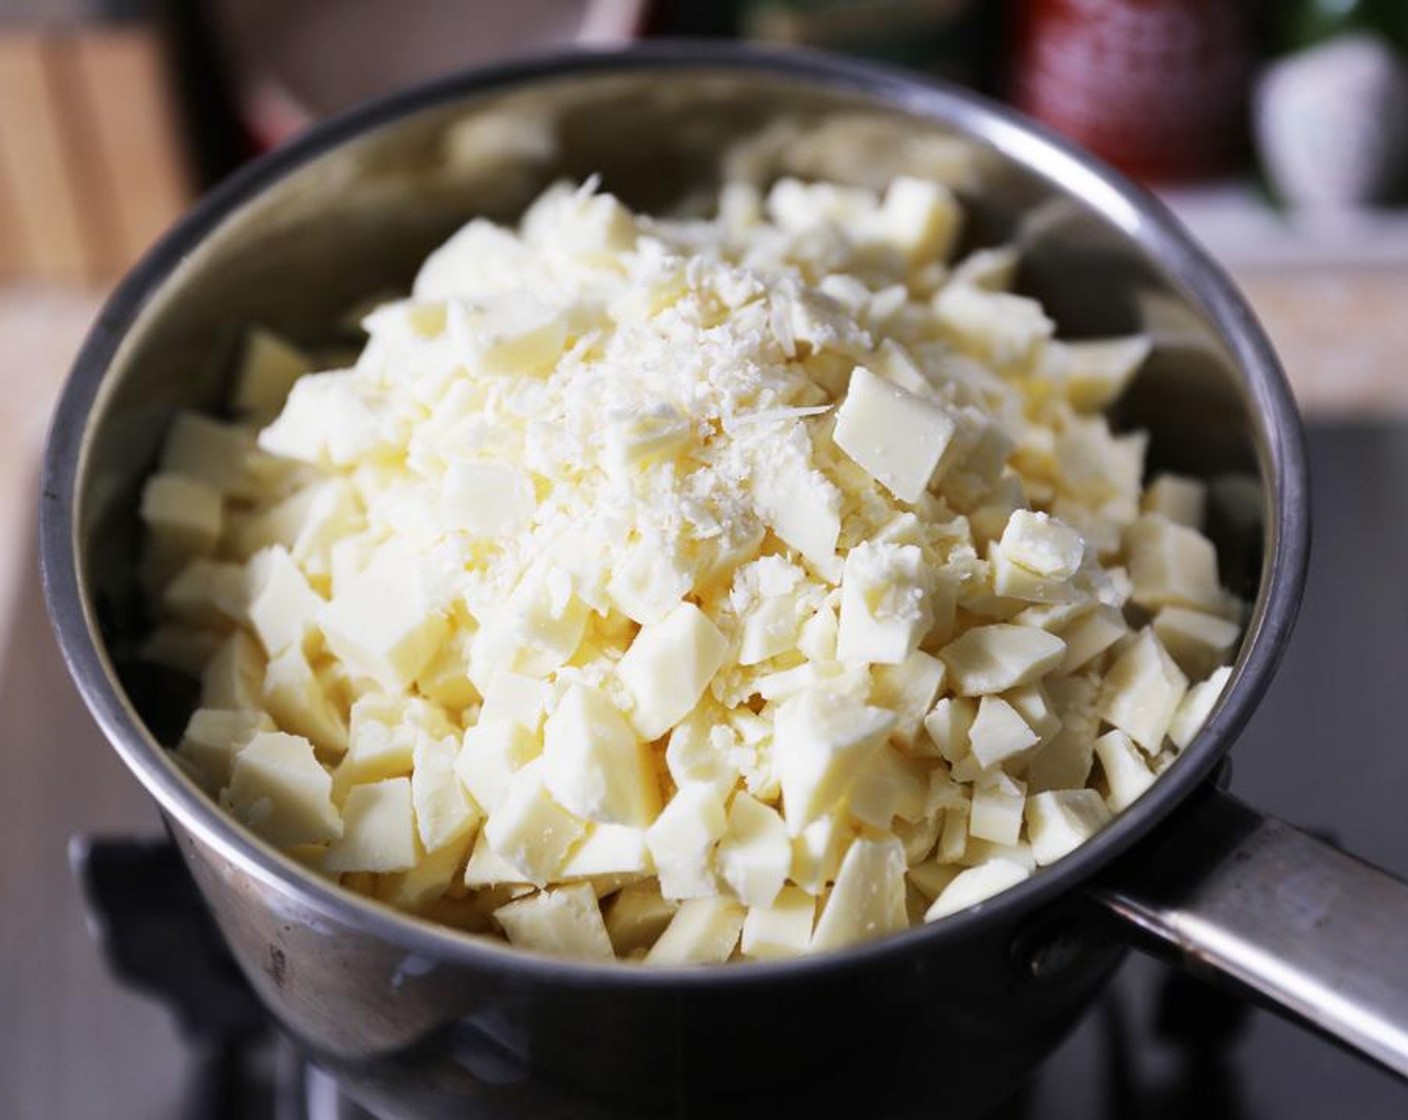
(1314, 933)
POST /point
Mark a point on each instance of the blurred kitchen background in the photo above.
(1276, 129)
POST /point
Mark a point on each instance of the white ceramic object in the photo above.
(1332, 122)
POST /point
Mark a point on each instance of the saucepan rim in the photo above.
(1138, 214)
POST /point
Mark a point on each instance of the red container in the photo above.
(1156, 87)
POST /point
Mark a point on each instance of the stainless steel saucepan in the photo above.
(418, 1020)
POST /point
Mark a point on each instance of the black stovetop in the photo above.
(1325, 752)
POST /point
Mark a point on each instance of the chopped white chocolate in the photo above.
(897, 436)
(1198, 703)
(1097, 371)
(181, 514)
(1172, 565)
(618, 851)
(234, 676)
(213, 737)
(702, 931)
(868, 898)
(884, 603)
(907, 689)
(564, 921)
(820, 743)
(974, 885)
(636, 916)
(444, 811)
(755, 854)
(378, 829)
(1142, 691)
(996, 813)
(763, 576)
(1181, 500)
(297, 700)
(268, 367)
(1198, 642)
(1127, 774)
(668, 666)
(995, 658)
(283, 608)
(383, 624)
(948, 725)
(1059, 821)
(279, 790)
(682, 842)
(594, 764)
(781, 930)
(530, 830)
(998, 732)
(1090, 635)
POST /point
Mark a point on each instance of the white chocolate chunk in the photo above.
(378, 833)
(267, 368)
(297, 700)
(1142, 691)
(1198, 642)
(948, 724)
(234, 676)
(594, 764)
(213, 737)
(507, 335)
(615, 850)
(283, 608)
(530, 830)
(999, 327)
(278, 789)
(921, 218)
(868, 898)
(221, 456)
(1090, 635)
(1172, 565)
(890, 786)
(636, 917)
(781, 930)
(897, 436)
(428, 880)
(1180, 499)
(382, 736)
(820, 744)
(884, 603)
(908, 689)
(384, 626)
(998, 732)
(1197, 705)
(444, 811)
(207, 593)
(755, 854)
(182, 515)
(514, 698)
(486, 868)
(702, 931)
(1127, 774)
(1097, 371)
(682, 842)
(485, 499)
(996, 813)
(668, 666)
(975, 885)
(995, 658)
(1041, 544)
(1059, 821)
(563, 921)
(490, 754)
(817, 852)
